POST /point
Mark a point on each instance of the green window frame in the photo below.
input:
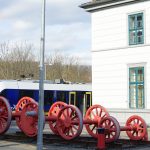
(136, 87)
(136, 29)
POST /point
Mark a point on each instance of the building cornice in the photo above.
(105, 4)
(120, 48)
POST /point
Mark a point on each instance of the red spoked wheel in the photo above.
(5, 115)
(69, 122)
(29, 123)
(53, 112)
(95, 114)
(112, 128)
(20, 105)
(139, 128)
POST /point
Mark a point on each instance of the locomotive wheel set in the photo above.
(67, 121)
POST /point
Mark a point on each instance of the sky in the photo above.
(68, 27)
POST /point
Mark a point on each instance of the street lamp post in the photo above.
(45, 70)
(41, 83)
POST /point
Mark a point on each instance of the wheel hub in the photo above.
(67, 122)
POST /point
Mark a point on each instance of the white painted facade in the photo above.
(112, 57)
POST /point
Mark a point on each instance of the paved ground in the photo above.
(10, 145)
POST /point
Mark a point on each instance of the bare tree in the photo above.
(16, 60)
(67, 68)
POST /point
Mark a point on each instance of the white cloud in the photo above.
(21, 25)
(67, 25)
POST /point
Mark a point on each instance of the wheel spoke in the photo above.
(109, 123)
(100, 112)
(68, 112)
(64, 114)
(104, 116)
(73, 126)
(96, 111)
(72, 131)
(92, 113)
(72, 113)
(75, 117)
(94, 126)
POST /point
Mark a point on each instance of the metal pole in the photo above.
(41, 83)
(45, 70)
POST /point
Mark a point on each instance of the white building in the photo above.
(121, 56)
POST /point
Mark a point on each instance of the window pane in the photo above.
(136, 87)
(132, 37)
(48, 98)
(72, 99)
(61, 96)
(132, 22)
(140, 95)
(140, 75)
(136, 34)
(132, 75)
(139, 36)
(133, 96)
(139, 21)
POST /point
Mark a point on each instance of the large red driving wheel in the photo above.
(69, 122)
(53, 112)
(112, 128)
(29, 124)
(5, 115)
(139, 128)
(20, 105)
(95, 113)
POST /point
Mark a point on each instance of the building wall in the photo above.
(112, 56)
(110, 26)
(110, 75)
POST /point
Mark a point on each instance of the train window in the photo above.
(23, 93)
(88, 100)
(48, 98)
(80, 100)
(61, 96)
(72, 99)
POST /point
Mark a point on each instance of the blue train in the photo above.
(76, 94)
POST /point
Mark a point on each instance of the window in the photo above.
(61, 96)
(136, 29)
(136, 87)
(48, 98)
(28, 93)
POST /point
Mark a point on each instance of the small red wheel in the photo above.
(28, 123)
(20, 105)
(95, 113)
(53, 112)
(69, 122)
(112, 128)
(139, 128)
(5, 115)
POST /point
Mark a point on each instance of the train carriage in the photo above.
(76, 94)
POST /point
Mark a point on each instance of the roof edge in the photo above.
(100, 5)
